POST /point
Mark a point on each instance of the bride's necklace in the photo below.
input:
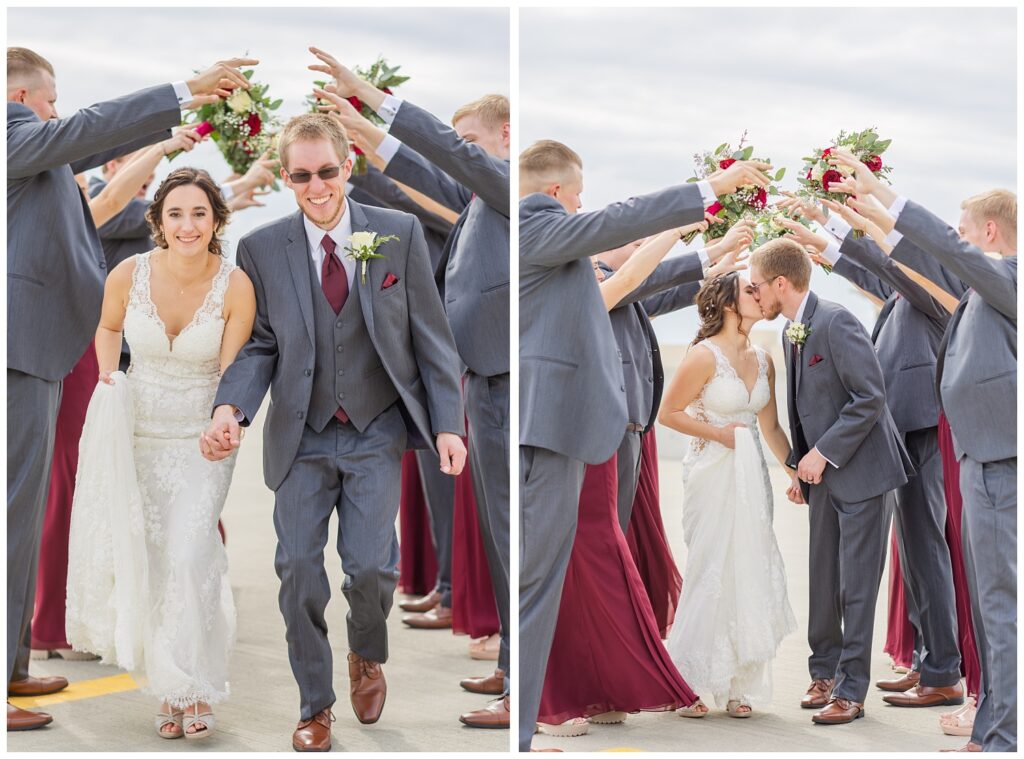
(177, 282)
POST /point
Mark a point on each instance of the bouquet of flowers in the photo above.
(241, 125)
(381, 76)
(747, 202)
(817, 173)
(767, 226)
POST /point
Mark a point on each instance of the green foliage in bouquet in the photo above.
(818, 174)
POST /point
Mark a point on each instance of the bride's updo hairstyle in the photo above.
(712, 300)
(181, 178)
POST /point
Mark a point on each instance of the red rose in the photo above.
(254, 124)
(714, 208)
(826, 152)
(726, 163)
(356, 103)
(809, 173)
(357, 150)
(204, 129)
(873, 162)
(830, 176)
(386, 89)
(760, 199)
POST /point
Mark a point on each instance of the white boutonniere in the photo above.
(797, 334)
(362, 246)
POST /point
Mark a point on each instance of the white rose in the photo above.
(240, 102)
(362, 239)
(817, 172)
(844, 169)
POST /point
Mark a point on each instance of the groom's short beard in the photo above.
(326, 223)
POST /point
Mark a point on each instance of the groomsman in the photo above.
(670, 287)
(907, 337)
(476, 299)
(977, 383)
(55, 273)
(572, 390)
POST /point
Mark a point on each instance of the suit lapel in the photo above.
(297, 253)
(940, 362)
(808, 314)
(361, 224)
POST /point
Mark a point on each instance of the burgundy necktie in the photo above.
(334, 281)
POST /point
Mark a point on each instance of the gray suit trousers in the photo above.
(924, 558)
(847, 557)
(628, 464)
(549, 499)
(359, 474)
(989, 491)
(487, 408)
(439, 493)
(32, 405)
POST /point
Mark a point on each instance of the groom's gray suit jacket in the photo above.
(572, 393)
(839, 404)
(405, 323)
(55, 264)
(977, 367)
(907, 335)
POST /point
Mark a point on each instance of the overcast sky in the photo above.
(637, 92)
(452, 55)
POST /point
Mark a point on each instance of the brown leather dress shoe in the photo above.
(367, 688)
(492, 685)
(900, 685)
(21, 719)
(422, 604)
(839, 712)
(36, 686)
(314, 734)
(924, 695)
(494, 716)
(438, 618)
(817, 695)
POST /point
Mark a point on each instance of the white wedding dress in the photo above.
(176, 569)
(734, 611)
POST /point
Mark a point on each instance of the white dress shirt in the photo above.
(340, 234)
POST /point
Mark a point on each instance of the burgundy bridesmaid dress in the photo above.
(899, 641)
(647, 542)
(607, 654)
(474, 612)
(417, 568)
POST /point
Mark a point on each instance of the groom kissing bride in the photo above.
(359, 359)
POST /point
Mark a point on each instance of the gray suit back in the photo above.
(977, 368)
(572, 394)
(476, 289)
(55, 265)
(405, 323)
(840, 405)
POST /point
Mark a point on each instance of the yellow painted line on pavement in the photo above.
(79, 689)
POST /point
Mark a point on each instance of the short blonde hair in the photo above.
(783, 257)
(547, 161)
(999, 206)
(313, 126)
(23, 63)
(493, 110)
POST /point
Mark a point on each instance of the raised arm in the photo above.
(640, 267)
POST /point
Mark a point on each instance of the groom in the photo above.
(848, 455)
(356, 355)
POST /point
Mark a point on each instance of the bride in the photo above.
(734, 611)
(185, 311)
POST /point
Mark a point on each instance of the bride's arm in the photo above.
(695, 371)
(115, 304)
(239, 316)
(768, 421)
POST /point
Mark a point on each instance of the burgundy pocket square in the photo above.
(815, 359)
(389, 281)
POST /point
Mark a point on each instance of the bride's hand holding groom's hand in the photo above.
(811, 467)
(222, 436)
(793, 492)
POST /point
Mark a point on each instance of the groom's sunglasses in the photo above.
(302, 177)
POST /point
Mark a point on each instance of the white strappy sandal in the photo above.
(571, 728)
(693, 711)
(163, 719)
(198, 718)
(733, 708)
(608, 718)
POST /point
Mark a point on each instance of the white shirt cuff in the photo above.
(897, 207)
(227, 191)
(706, 193)
(389, 108)
(182, 92)
(836, 226)
(893, 239)
(826, 459)
(388, 148)
(831, 252)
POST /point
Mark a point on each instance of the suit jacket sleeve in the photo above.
(994, 280)
(554, 237)
(246, 380)
(35, 146)
(433, 344)
(129, 223)
(910, 254)
(849, 267)
(389, 195)
(671, 300)
(867, 254)
(410, 168)
(98, 159)
(465, 162)
(857, 366)
(668, 274)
